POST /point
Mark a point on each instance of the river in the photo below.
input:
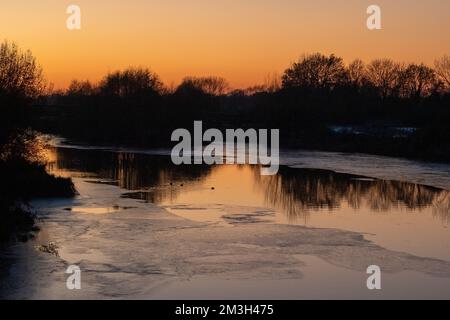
(143, 228)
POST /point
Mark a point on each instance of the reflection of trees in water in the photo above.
(154, 174)
(298, 191)
(441, 206)
(295, 191)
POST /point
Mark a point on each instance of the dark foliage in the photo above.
(23, 175)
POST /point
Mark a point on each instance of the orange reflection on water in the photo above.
(397, 215)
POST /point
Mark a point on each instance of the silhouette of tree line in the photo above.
(312, 96)
(383, 77)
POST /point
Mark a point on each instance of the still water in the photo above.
(142, 227)
(399, 215)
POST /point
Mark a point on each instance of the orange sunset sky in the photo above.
(241, 40)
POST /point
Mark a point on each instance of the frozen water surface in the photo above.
(142, 228)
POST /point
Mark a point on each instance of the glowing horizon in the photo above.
(242, 42)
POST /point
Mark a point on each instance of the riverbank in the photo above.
(22, 181)
(415, 132)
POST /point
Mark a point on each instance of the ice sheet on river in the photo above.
(135, 252)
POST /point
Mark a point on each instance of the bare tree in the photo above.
(385, 75)
(357, 73)
(315, 71)
(272, 82)
(20, 75)
(131, 82)
(26, 145)
(215, 86)
(418, 81)
(81, 88)
(442, 68)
